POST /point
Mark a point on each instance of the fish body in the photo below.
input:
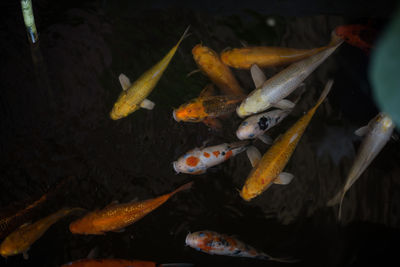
(210, 63)
(273, 91)
(115, 217)
(377, 134)
(264, 56)
(257, 125)
(134, 95)
(269, 168)
(220, 244)
(198, 160)
(200, 108)
(21, 239)
(361, 36)
(121, 263)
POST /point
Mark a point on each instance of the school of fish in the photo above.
(208, 108)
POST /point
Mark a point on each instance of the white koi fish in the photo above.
(377, 134)
(219, 244)
(255, 126)
(198, 160)
(271, 93)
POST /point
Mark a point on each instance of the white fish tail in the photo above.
(284, 260)
(325, 92)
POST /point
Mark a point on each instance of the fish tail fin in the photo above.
(184, 35)
(338, 199)
(242, 143)
(324, 93)
(335, 39)
(182, 187)
(283, 260)
(340, 206)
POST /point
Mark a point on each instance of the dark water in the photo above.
(55, 124)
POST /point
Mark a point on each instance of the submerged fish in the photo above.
(256, 125)
(220, 74)
(134, 95)
(198, 160)
(219, 244)
(271, 92)
(377, 134)
(115, 216)
(264, 56)
(361, 36)
(121, 263)
(268, 169)
(21, 239)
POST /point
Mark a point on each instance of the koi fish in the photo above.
(271, 92)
(115, 216)
(10, 223)
(268, 169)
(134, 95)
(256, 125)
(198, 160)
(264, 56)
(200, 108)
(220, 74)
(360, 36)
(121, 263)
(219, 244)
(21, 239)
(377, 133)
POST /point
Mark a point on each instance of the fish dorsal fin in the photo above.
(254, 155)
(113, 203)
(258, 75)
(124, 81)
(284, 178)
(361, 131)
(147, 104)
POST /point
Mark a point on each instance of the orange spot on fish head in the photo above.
(192, 161)
(228, 154)
(216, 153)
(206, 155)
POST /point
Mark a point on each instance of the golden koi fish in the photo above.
(115, 217)
(134, 95)
(377, 134)
(268, 169)
(21, 239)
(264, 56)
(220, 74)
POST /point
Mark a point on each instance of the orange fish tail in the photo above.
(182, 187)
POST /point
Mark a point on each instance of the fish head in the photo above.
(197, 239)
(190, 163)
(122, 107)
(383, 123)
(193, 111)
(9, 246)
(246, 131)
(249, 192)
(204, 55)
(82, 226)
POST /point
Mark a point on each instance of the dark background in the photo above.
(55, 102)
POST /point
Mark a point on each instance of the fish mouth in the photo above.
(174, 115)
(188, 239)
(239, 112)
(175, 166)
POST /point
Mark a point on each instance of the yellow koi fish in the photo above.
(21, 239)
(134, 95)
(268, 169)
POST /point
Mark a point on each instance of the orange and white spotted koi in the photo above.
(198, 160)
(219, 244)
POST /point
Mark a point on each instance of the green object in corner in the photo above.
(385, 70)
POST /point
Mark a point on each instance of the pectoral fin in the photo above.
(361, 131)
(284, 104)
(208, 90)
(254, 155)
(147, 104)
(124, 81)
(284, 178)
(258, 75)
(266, 139)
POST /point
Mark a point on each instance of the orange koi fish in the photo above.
(219, 244)
(264, 56)
(120, 263)
(220, 74)
(10, 223)
(361, 36)
(268, 169)
(115, 217)
(21, 239)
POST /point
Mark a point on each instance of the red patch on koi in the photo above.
(206, 155)
(192, 161)
(228, 154)
(216, 153)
